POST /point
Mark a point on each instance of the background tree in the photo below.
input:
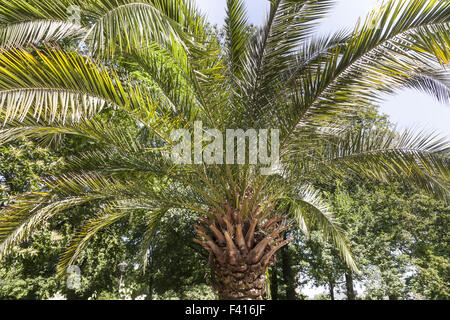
(30, 272)
(386, 224)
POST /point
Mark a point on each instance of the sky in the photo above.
(407, 109)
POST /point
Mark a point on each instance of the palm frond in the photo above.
(288, 23)
(28, 213)
(107, 217)
(154, 219)
(33, 22)
(381, 56)
(309, 208)
(55, 85)
(237, 35)
(415, 157)
(434, 82)
(148, 192)
(169, 81)
(127, 25)
(36, 32)
(315, 51)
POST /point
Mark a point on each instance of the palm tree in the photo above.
(124, 74)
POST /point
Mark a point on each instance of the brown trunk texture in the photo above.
(233, 284)
(242, 244)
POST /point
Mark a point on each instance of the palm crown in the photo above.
(160, 67)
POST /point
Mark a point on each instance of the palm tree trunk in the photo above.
(241, 248)
(233, 284)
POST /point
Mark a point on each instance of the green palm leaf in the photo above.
(308, 208)
(33, 22)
